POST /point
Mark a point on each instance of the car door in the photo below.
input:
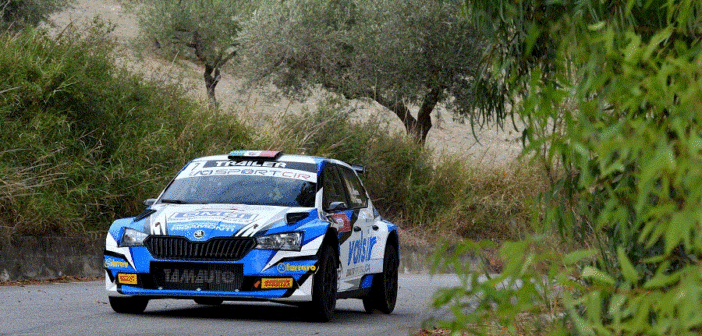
(336, 210)
(359, 244)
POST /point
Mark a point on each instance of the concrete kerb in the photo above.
(41, 258)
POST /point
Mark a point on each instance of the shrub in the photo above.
(83, 141)
(631, 150)
(16, 15)
(408, 184)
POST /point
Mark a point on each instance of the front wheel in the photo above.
(128, 305)
(324, 286)
(383, 293)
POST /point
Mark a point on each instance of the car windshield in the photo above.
(241, 189)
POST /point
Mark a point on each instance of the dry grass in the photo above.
(524, 325)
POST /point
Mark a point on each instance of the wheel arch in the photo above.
(331, 238)
(394, 240)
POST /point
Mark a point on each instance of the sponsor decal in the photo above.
(276, 283)
(127, 279)
(358, 270)
(218, 226)
(223, 220)
(158, 228)
(360, 249)
(274, 172)
(189, 276)
(364, 214)
(250, 153)
(199, 234)
(224, 215)
(343, 222)
(269, 164)
(285, 267)
(111, 263)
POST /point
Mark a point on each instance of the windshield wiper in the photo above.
(173, 201)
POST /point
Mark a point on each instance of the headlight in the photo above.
(132, 237)
(291, 241)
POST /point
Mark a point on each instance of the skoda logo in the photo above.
(199, 234)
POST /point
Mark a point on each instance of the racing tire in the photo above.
(383, 293)
(324, 287)
(128, 305)
(209, 301)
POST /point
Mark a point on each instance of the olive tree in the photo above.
(205, 29)
(404, 55)
(16, 15)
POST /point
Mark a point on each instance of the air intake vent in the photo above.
(180, 248)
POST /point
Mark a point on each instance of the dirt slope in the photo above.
(495, 148)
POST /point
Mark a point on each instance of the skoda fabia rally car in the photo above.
(256, 225)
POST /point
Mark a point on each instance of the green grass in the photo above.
(83, 141)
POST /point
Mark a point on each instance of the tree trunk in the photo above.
(424, 115)
(402, 112)
(212, 77)
(417, 127)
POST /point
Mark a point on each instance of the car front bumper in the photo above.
(259, 275)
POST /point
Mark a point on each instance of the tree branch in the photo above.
(227, 58)
(199, 49)
(397, 107)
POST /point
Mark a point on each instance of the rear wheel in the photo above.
(209, 301)
(383, 294)
(324, 286)
(128, 305)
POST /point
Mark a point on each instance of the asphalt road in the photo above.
(82, 309)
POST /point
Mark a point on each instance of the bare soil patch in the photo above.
(495, 147)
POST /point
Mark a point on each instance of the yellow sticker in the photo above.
(268, 283)
(127, 279)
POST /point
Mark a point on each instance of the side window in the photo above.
(357, 195)
(333, 189)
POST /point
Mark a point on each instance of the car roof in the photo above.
(282, 158)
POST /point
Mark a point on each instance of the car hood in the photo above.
(199, 222)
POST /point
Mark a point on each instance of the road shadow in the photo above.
(248, 311)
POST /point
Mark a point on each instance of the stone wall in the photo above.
(40, 258)
(50, 257)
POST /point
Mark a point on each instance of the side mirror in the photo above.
(337, 206)
(149, 202)
(360, 170)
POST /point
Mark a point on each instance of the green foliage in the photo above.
(16, 15)
(625, 81)
(206, 30)
(84, 142)
(176, 24)
(401, 54)
(407, 182)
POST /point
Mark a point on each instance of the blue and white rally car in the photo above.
(256, 225)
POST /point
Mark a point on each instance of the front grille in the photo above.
(180, 248)
(197, 276)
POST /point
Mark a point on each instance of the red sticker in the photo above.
(343, 222)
